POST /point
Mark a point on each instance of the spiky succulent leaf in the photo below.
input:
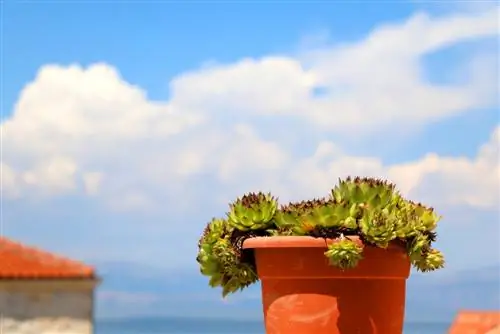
(429, 261)
(427, 218)
(416, 246)
(215, 280)
(344, 254)
(252, 212)
(219, 260)
(378, 228)
(365, 191)
(285, 219)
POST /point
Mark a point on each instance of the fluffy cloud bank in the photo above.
(88, 131)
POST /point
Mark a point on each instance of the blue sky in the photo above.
(127, 126)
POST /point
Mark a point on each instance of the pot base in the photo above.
(334, 306)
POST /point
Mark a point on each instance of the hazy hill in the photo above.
(133, 289)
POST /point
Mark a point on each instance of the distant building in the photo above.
(41, 293)
(476, 322)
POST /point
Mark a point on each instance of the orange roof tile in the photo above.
(477, 322)
(18, 261)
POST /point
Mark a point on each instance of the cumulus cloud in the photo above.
(88, 131)
(367, 85)
(435, 179)
(457, 180)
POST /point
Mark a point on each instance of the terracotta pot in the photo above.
(303, 294)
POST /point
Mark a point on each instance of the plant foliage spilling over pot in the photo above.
(369, 208)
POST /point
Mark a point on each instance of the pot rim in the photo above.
(299, 242)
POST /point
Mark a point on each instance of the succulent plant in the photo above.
(371, 209)
(252, 211)
(219, 260)
(344, 254)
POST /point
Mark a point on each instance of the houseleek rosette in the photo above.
(219, 260)
(344, 254)
(370, 209)
(252, 212)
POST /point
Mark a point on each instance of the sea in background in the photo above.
(156, 302)
(218, 326)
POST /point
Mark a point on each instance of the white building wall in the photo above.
(46, 308)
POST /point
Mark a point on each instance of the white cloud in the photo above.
(380, 81)
(55, 175)
(72, 109)
(88, 130)
(246, 153)
(271, 85)
(8, 181)
(369, 84)
(459, 180)
(433, 179)
(92, 182)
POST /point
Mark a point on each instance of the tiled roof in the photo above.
(495, 330)
(18, 261)
(477, 322)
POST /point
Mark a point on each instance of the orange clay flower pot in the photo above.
(303, 294)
